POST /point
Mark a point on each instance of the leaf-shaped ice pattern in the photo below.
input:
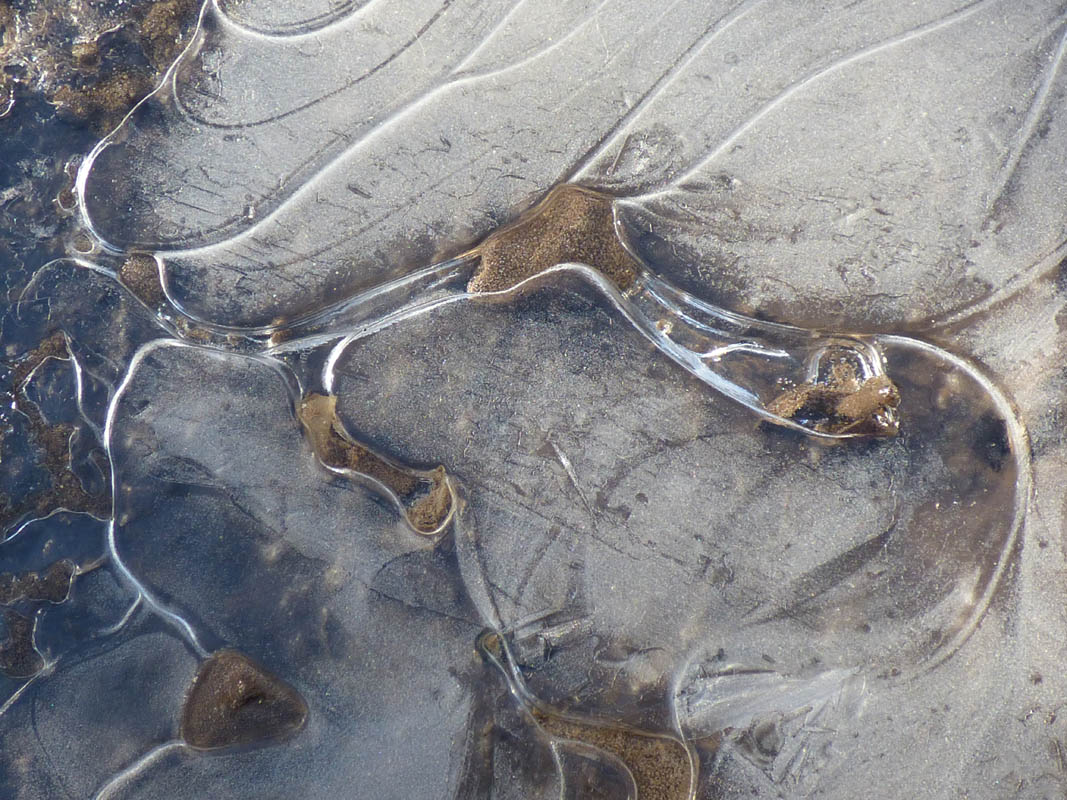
(612, 526)
(243, 541)
(835, 734)
(864, 164)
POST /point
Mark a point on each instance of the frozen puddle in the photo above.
(414, 423)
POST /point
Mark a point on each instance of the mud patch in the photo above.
(234, 701)
(660, 766)
(572, 224)
(66, 490)
(842, 404)
(427, 497)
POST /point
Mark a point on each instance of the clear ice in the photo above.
(552, 399)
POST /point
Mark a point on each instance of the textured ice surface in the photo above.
(647, 581)
(871, 164)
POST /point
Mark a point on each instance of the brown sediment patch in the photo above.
(51, 587)
(18, 656)
(335, 448)
(660, 765)
(193, 332)
(162, 27)
(571, 224)
(427, 513)
(282, 332)
(7, 26)
(66, 490)
(842, 403)
(140, 274)
(83, 55)
(7, 46)
(104, 100)
(86, 55)
(233, 701)
(52, 346)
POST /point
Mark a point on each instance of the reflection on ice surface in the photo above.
(376, 466)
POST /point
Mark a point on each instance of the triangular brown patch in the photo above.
(572, 224)
(234, 701)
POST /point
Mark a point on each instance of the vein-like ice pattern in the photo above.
(650, 558)
(256, 548)
(349, 501)
(864, 164)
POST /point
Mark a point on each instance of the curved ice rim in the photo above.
(689, 360)
(526, 699)
(119, 781)
(1019, 442)
(1017, 437)
(169, 82)
(165, 612)
(291, 384)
